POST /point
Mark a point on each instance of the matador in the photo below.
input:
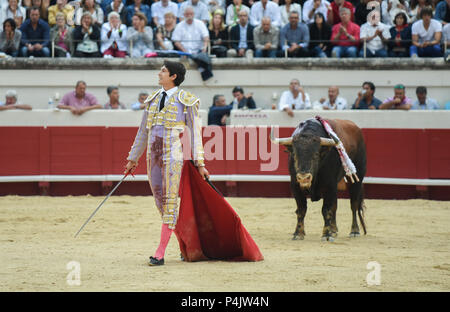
(169, 111)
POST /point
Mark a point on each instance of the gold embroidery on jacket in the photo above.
(167, 117)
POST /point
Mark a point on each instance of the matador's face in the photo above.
(164, 77)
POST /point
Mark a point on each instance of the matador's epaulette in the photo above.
(187, 98)
(152, 96)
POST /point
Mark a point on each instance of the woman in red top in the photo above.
(398, 45)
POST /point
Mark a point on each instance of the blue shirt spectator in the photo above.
(294, 36)
(35, 36)
(138, 6)
(367, 103)
(423, 102)
(442, 13)
(219, 111)
(106, 3)
(366, 97)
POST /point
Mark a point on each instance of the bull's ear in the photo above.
(288, 149)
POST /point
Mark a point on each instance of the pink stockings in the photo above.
(165, 237)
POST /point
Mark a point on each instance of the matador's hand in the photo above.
(203, 172)
(130, 167)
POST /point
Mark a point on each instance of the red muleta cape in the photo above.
(208, 228)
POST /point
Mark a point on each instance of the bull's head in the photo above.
(305, 148)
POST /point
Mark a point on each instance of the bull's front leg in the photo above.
(299, 232)
(329, 207)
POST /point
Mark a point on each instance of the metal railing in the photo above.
(228, 44)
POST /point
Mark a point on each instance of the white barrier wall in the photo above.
(127, 118)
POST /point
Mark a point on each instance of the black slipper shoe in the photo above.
(153, 261)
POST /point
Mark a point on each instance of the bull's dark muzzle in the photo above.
(304, 179)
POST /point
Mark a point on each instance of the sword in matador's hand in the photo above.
(95, 211)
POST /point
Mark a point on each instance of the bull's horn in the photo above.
(327, 142)
(282, 141)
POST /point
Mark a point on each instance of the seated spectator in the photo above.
(79, 101)
(423, 102)
(294, 98)
(334, 101)
(443, 12)
(160, 8)
(12, 103)
(426, 36)
(397, 6)
(191, 35)
(398, 45)
(265, 8)
(114, 37)
(86, 38)
(164, 32)
(91, 7)
(117, 6)
(446, 39)
(140, 36)
(375, 35)
(35, 36)
(200, 9)
(218, 34)
(61, 36)
(113, 102)
(63, 7)
(43, 6)
(333, 15)
(345, 36)
(140, 103)
(219, 111)
(287, 8)
(138, 6)
(310, 7)
(294, 37)
(241, 100)
(398, 101)
(266, 38)
(232, 17)
(361, 12)
(366, 97)
(364, 7)
(213, 5)
(13, 10)
(319, 36)
(385, 18)
(10, 38)
(241, 37)
(415, 6)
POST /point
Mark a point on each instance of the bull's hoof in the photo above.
(327, 238)
(298, 237)
(354, 234)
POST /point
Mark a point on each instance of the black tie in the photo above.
(163, 99)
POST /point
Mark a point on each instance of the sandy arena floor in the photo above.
(408, 239)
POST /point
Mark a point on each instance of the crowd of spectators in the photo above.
(228, 28)
(296, 98)
(79, 101)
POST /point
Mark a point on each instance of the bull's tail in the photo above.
(361, 210)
